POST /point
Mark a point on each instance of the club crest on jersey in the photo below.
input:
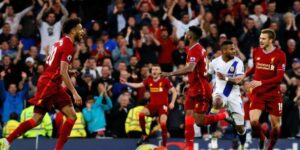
(258, 58)
(69, 58)
(231, 69)
(192, 59)
(160, 83)
(272, 60)
(150, 84)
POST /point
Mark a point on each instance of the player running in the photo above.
(49, 90)
(158, 106)
(199, 92)
(226, 90)
(268, 71)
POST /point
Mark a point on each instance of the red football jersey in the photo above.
(198, 81)
(158, 90)
(269, 69)
(62, 50)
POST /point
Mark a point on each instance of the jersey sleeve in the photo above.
(168, 83)
(194, 56)
(146, 82)
(240, 68)
(67, 51)
(280, 69)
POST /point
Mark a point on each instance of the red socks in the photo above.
(210, 119)
(275, 133)
(22, 128)
(64, 133)
(189, 132)
(164, 133)
(142, 122)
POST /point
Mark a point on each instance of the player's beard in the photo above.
(186, 41)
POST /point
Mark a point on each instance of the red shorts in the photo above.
(50, 96)
(271, 105)
(196, 103)
(157, 110)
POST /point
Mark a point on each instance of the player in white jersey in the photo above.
(226, 91)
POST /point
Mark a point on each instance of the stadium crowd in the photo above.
(124, 38)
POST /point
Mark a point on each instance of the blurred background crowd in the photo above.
(124, 38)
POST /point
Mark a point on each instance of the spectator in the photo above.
(12, 18)
(272, 14)
(50, 29)
(100, 52)
(90, 67)
(133, 65)
(119, 114)
(13, 101)
(119, 87)
(122, 53)
(291, 53)
(149, 49)
(130, 30)
(5, 35)
(249, 36)
(183, 25)
(179, 55)
(96, 30)
(167, 43)
(290, 28)
(259, 18)
(132, 127)
(44, 129)
(94, 113)
(11, 125)
(144, 9)
(117, 21)
(109, 44)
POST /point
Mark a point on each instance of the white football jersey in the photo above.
(232, 68)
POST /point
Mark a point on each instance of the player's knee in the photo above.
(254, 122)
(240, 130)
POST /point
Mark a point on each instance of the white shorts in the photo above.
(235, 105)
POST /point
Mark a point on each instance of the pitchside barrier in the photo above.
(130, 144)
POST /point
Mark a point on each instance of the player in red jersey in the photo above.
(49, 90)
(159, 105)
(268, 71)
(199, 92)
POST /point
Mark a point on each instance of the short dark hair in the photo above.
(70, 24)
(270, 32)
(225, 43)
(196, 31)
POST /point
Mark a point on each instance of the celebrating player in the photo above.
(49, 90)
(226, 89)
(158, 105)
(268, 71)
(199, 91)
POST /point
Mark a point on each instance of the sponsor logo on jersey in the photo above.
(69, 58)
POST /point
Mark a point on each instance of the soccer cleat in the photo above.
(4, 145)
(235, 144)
(142, 140)
(262, 144)
(243, 147)
(214, 143)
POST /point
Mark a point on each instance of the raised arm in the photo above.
(170, 11)
(65, 13)
(26, 10)
(41, 13)
(189, 67)
(4, 2)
